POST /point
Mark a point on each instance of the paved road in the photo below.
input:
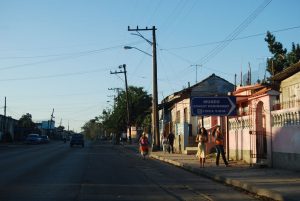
(57, 172)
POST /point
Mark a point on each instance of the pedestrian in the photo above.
(219, 141)
(164, 142)
(202, 138)
(171, 138)
(144, 143)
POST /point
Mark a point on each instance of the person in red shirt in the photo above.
(219, 141)
(144, 145)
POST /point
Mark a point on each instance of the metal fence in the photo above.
(277, 105)
(258, 145)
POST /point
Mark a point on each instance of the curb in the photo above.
(233, 182)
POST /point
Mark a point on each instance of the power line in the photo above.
(62, 57)
(239, 38)
(71, 53)
(53, 76)
(235, 33)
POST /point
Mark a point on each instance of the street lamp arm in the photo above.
(130, 47)
(141, 36)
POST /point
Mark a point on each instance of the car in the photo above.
(77, 139)
(33, 139)
(45, 139)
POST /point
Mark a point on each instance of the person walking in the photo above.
(219, 141)
(164, 142)
(144, 143)
(202, 138)
(171, 138)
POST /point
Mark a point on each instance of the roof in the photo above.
(248, 88)
(255, 90)
(211, 86)
(287, 72)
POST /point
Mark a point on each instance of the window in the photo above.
(178, 117)
(185, 117)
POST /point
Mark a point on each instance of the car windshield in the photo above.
(77, 136)
(33, 135)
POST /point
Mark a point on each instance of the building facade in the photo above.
(175, 111)
(266, 129)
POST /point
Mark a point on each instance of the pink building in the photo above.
(266, 129)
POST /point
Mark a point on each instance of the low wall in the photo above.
(290, 161)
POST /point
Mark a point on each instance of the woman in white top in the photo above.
(202, 138)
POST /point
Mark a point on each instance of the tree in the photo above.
(92, 128)
(277, 63)
(26, 126)
(294, 56)
(26, 121)
(115, 120)
(281, 58)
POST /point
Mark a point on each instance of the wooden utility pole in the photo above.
(155, 125)
(4, 119)
(127, 98)
(50, 122)
(118, 93)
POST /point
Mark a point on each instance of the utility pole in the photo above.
(234, 82)
(155, 126)
(197, 65)
(116, 89)
(50, 122)
(118, 93)
(4, 120)
(127, 98)
(5, 107)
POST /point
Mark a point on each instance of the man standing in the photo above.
(171, 138)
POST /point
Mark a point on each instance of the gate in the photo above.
(258, 146)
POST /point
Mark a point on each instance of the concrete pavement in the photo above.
(272, 183)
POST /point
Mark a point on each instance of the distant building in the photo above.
(46, 125)
(175, 112)
(7, 126)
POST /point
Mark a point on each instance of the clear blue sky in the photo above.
(59, 53)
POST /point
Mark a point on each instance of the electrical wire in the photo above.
(235, 33)
(238, 38)
(53, 76)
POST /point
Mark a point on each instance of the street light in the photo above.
(130, 47)
(155, 125)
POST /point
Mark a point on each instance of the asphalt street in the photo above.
(99, 171)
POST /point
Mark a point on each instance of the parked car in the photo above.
(77, 139)
(45, 139)
(33, 139)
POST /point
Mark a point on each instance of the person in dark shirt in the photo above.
(171, 138)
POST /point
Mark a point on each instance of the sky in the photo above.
(59, 53)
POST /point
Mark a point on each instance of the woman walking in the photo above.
(219, 140)
(202, 138)
(144, 145)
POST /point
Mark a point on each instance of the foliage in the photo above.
(114, 120)
(92, 128)
(26, 121)
(281, 58)
(60, 128)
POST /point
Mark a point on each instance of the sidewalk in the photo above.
(268, 182)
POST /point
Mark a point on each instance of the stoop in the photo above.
(190, 150)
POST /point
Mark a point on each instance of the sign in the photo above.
(213, 106)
